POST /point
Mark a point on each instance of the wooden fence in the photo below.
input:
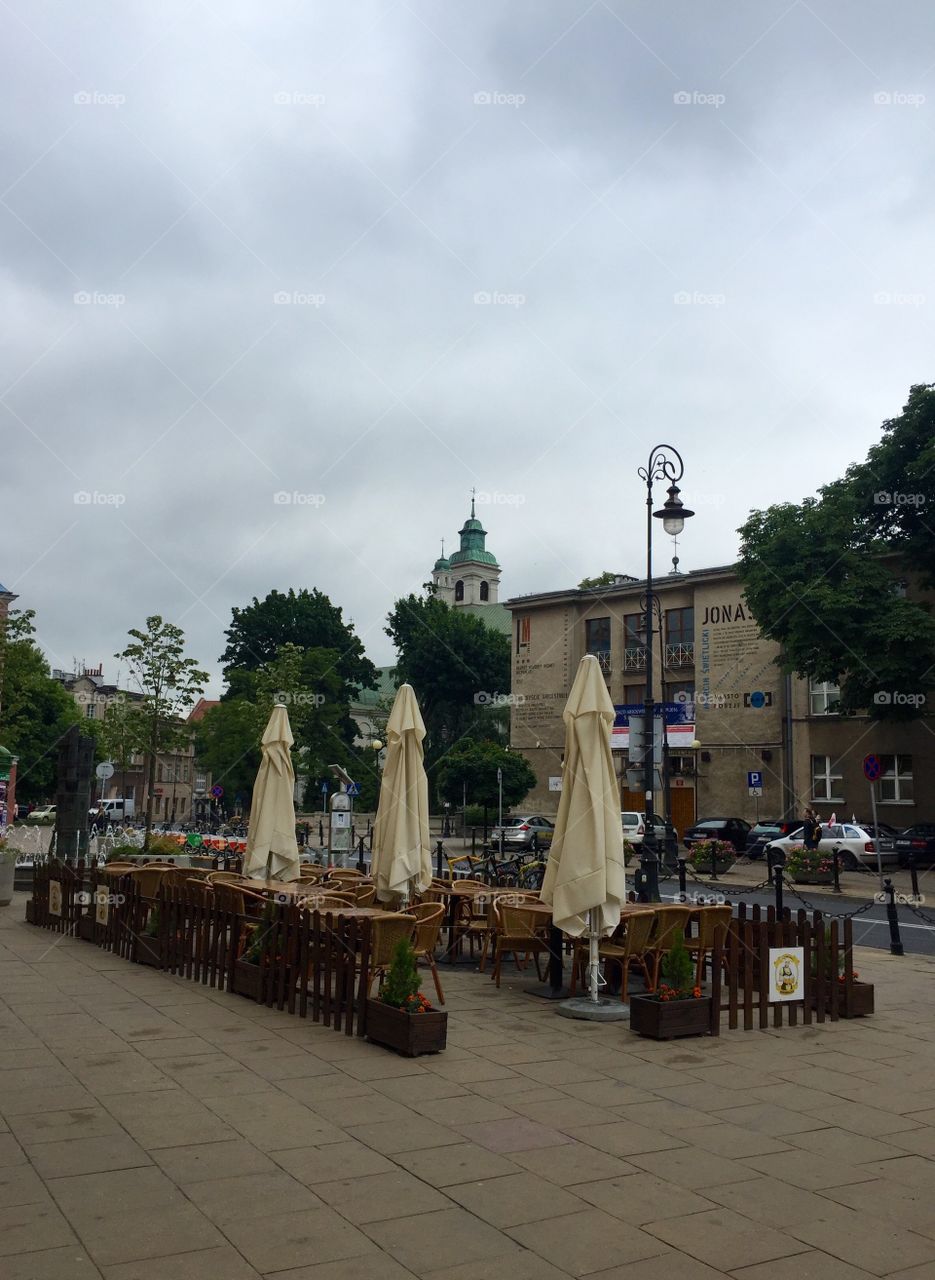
(311, 964)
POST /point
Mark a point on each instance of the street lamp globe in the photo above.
(376, 745)
(673, 513)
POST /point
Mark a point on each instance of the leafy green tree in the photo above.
(306, 619)
(605, 579)
(228, 744)
(458, 667)
(35, 710)
(472, 767)
(823, 578)
(169, 683)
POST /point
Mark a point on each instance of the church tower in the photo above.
(470, 578)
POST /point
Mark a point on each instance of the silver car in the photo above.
(855, 845)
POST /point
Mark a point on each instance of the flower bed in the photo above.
(401, 1018)
(677, 1007)
(712, 856)
(809, 866)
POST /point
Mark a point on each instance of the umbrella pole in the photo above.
(594, 962)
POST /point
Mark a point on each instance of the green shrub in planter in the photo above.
(712, 855)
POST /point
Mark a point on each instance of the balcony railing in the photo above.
(634, 659)
(680, 655)
(603, 661)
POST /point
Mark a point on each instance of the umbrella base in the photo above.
(602, 1010)
(545, 992)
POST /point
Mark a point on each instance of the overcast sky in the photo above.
(520, 244)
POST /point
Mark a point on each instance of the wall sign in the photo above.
(786, 974)
(55, 897)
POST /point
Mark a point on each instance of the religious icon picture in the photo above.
(786, 966)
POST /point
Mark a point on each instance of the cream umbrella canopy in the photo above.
(402, 853)
(272, 852)
(584, 879)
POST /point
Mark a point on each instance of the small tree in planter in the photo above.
(677, 1007)
(712, 855)
(401, 1018)
(855, 999)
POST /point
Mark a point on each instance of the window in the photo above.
(128, 793)
(89, 711)
(597, 635)
(826, 779)
(680, 626)
(823, 698)
(632, 637)
(459, 590)
(896, 779)
(485, 590)
(633, 694)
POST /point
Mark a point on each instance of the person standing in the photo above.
(811, 832)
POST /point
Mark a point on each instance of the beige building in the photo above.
(730, 709)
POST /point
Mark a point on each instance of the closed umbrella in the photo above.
(401, 863)
(585, 880)
(272, 852)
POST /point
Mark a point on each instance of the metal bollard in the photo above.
(360, 855)
(321, 834)
(683, 878)
(836, 869)
(896, 946)
(914, 875)
(777, 873)
(473, 841)
(439, 854)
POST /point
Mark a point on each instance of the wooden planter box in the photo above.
(861, 1001)
(147, 951)
(722, 868)
(30, 911)
(86, 928)
(408, 1033)
(812, 877)
(667, 1019)
(246, 979)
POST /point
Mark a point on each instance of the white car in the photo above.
(634, 827)
(856, 847)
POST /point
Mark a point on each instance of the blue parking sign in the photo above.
(755, 778)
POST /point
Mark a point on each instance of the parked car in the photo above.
(118, 810)
(522, 832)
(764, 832)
(856, 846)
(44, 813)
(733, 830)
(634, 826)
(917, 841)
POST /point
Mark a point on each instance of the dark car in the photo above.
(764, 832)
(733, 830)
(916, 842)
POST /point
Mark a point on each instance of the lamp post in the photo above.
(665, 463)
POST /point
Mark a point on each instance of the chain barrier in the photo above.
(727, 893)
(916, 911)
(789, 885)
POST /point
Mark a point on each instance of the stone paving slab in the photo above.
(153, 1129)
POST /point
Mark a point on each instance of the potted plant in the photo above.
(717, 856)
(677, 1007)
(7, 873)
(855, 999)
(809, 866)
(400, 1017)
(259, 957)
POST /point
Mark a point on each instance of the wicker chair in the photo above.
(428, 917)
(631, 941)
(309, 871)
(364, 895)
(323, 901)
(518, 931)
(226, 877)
(474, 920)
(668, 922)
(713, 923)
(386, 933)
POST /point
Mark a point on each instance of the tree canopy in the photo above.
(826, 578)
(35, 710)
(471, 769)
(459, 668)
(305, 619)
(605, 579)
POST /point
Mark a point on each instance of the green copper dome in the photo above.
(441, 564)
(473, 536)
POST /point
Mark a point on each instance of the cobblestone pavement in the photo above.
(154, 1129)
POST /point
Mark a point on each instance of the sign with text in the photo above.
(555, 784)
(786, 974)
(679, 717)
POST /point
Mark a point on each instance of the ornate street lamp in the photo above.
(665, 463)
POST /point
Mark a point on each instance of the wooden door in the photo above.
(683, 808)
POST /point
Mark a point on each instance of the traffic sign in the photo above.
(758, 700)
(104, 770)
(217, 791)
(872, 768)
(353, 788)
(324, 788)
(755, 778)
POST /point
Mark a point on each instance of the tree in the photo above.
(473, 767)
(605, 579)
(35, 710)
(227, 743)
(306, 619)
(169, 683)
(459, 668)
(823, 579)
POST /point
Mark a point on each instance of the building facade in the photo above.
(730, 709)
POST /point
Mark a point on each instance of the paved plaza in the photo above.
(153, 1129)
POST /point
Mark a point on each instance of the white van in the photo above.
(117, 810)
